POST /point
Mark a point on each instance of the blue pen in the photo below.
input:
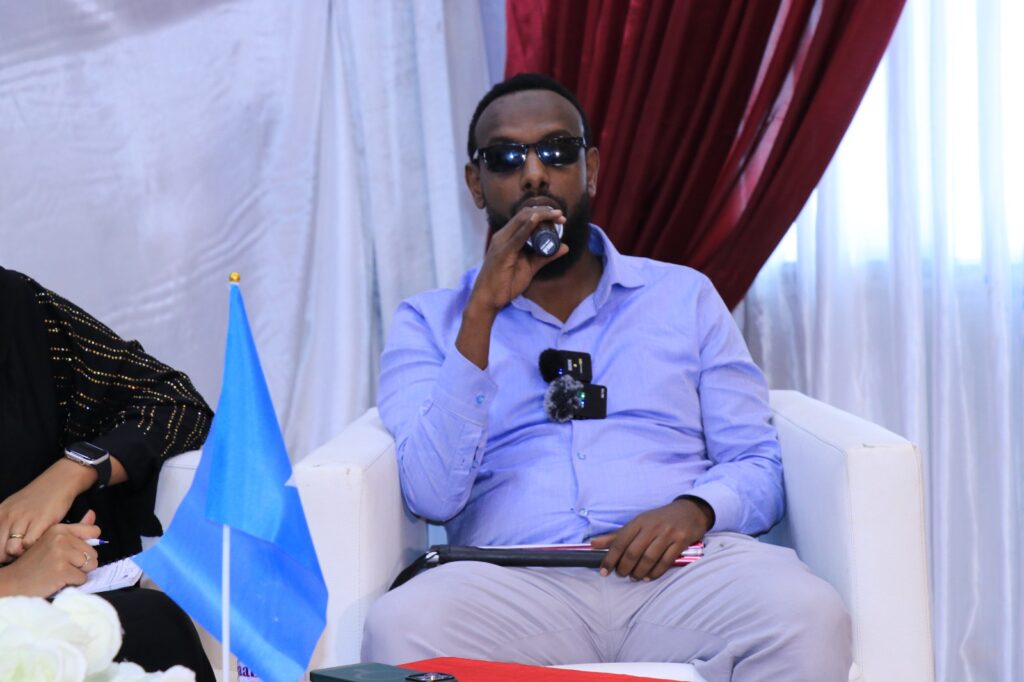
(95, 542)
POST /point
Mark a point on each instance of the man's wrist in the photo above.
(478, 312)
(474, 339)
(704, 508)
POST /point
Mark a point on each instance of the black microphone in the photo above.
(561, 400)
(546, 239)
(568, 398)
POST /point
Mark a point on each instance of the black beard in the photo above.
(575, 234)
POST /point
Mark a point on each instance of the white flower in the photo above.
(73, 639)
(99, 620)
(129, 672)
(26, 658)
(120, 672)
(177, 673)
(40, 619)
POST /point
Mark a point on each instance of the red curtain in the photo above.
(715, 120)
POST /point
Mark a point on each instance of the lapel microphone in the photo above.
(570, 395)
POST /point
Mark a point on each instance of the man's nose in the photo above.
(534, 174)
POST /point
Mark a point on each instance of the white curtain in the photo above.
(148, 149)
(899, 295)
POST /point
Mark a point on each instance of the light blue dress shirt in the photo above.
(687, 411)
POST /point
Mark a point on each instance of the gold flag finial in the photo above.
(234, 278)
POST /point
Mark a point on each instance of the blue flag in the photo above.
(278, 595)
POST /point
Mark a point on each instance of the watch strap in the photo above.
(103, 470)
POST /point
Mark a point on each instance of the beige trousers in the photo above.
(746, 611)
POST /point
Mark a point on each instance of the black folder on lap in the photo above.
(521, 556)
(576, 556)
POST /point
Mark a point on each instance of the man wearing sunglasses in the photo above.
(686, 450)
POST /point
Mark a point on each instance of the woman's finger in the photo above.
(32, 533)
(14, 547)
(84, 531)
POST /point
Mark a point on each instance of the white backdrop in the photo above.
(899, 296)
(147, 149)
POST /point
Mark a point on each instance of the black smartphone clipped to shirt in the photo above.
(593, 402)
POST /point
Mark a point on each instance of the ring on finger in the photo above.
(16, 536)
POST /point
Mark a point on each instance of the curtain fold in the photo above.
(715, 120)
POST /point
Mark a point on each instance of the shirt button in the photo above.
(581, 455)
(584, 512)
(480, 400)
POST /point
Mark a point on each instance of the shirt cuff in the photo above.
(134, 450)
(464, 389)
(724, 501)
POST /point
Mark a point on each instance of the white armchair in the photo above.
(855, 515)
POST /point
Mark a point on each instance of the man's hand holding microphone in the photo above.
(506, 273)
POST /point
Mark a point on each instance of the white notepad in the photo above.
(114, 576)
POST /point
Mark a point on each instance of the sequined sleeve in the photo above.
(112, 393)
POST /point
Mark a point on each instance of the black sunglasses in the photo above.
(508, 156)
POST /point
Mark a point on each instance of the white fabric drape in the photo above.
(899, 296)
(149, 149)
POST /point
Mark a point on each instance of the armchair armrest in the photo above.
(362, 532)
(855, 515)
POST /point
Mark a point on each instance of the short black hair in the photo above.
(518, 83)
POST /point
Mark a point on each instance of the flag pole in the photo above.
(225, 604)
(225, 575)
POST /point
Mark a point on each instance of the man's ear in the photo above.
(593, 165)
(473, 183)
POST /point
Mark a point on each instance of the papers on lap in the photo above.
(123, 573)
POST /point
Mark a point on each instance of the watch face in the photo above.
(87, 451)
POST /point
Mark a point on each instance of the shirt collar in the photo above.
(618, 270)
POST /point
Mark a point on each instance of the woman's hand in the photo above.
(30, 512)
(59, 558)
